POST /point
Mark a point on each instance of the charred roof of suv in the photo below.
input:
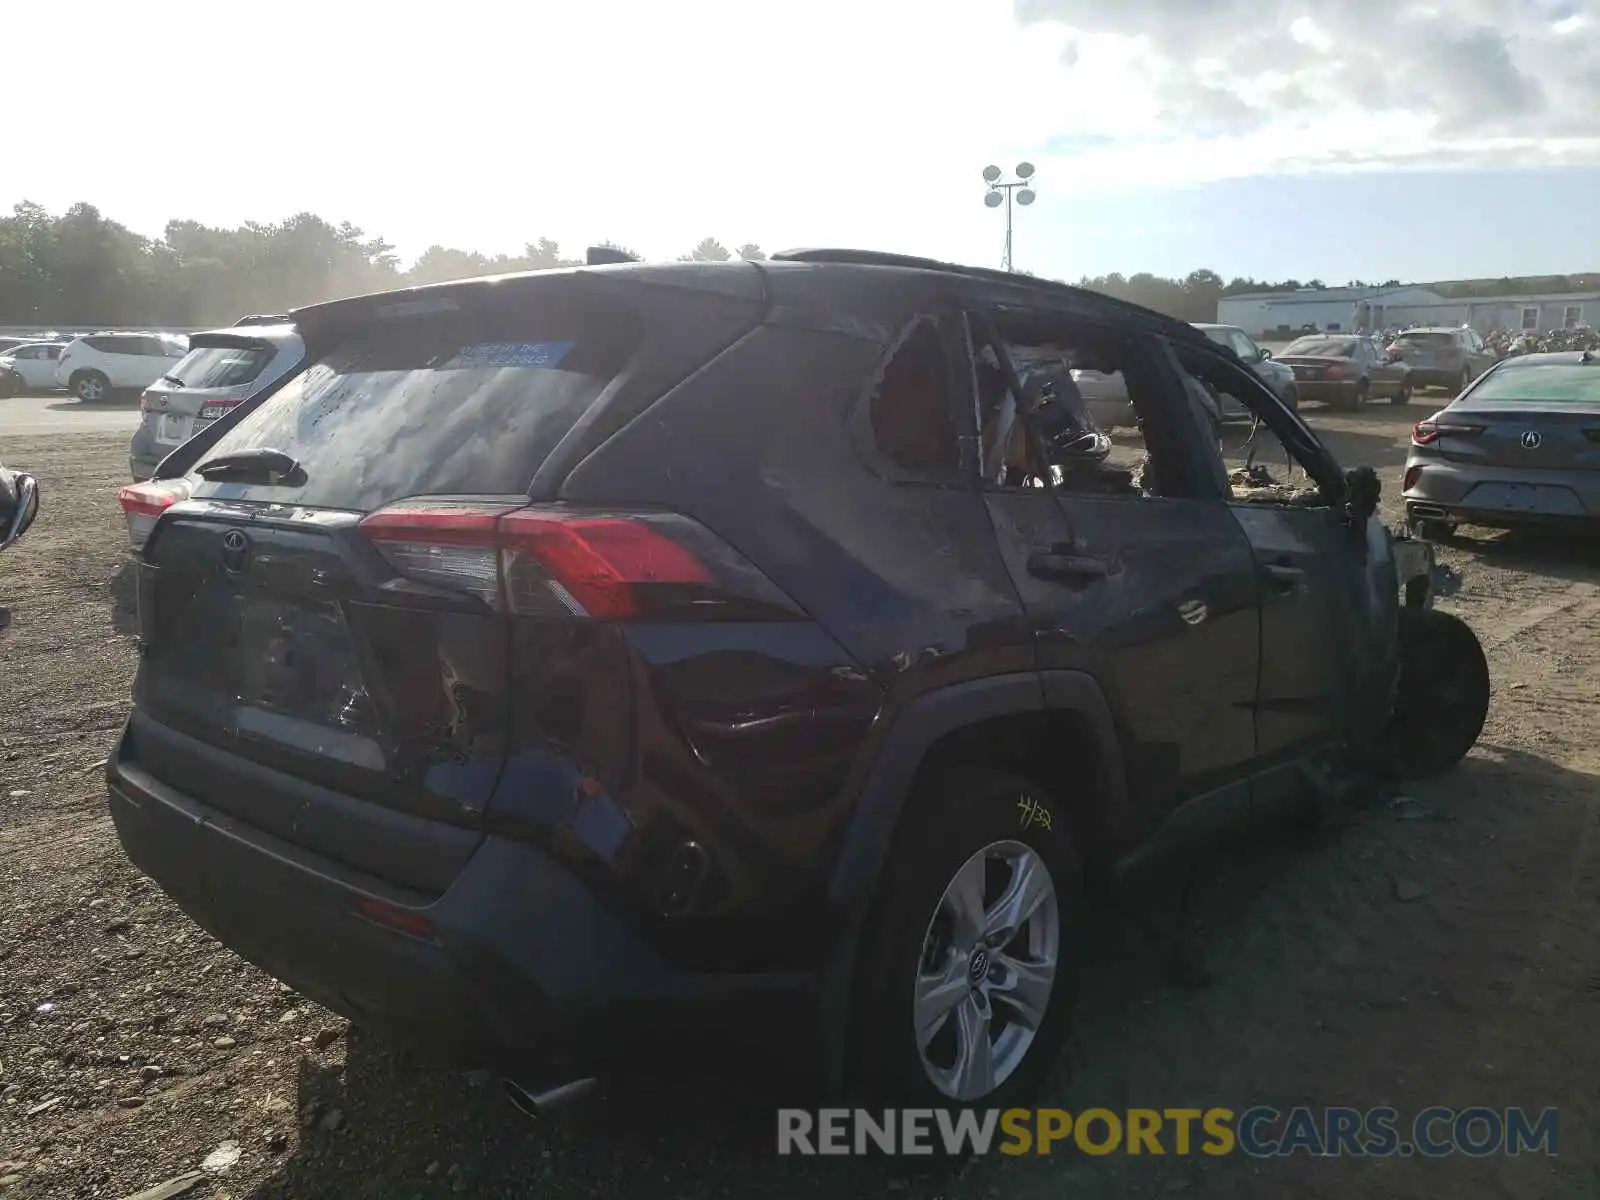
(751, 280)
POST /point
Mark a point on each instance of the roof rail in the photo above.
(879, 258)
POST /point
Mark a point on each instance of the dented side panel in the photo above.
(754, 750)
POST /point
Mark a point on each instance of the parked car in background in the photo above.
(498, 690)
(223, 369)
(1518, 447)
(1278, 378)
(97, 364)
(1447, 358)
(29, 367)
(1345, 371)
(1107, 395)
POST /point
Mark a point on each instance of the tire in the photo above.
(1363, 393)
(982, 825)
(1464, 382)
(90, 387)
(1443, 697)
(10, 385)
(1402, 394)
(1291, 398)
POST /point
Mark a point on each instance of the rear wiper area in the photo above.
(260, 465)
(173, 380)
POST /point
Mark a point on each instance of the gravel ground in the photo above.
(135, 1051)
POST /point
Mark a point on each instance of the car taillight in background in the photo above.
(143, 504)
(556, 562)
(1333, 372)
(1425, 433)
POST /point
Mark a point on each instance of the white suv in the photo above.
(94, 366)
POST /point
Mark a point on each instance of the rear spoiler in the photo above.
(222, 339)
(263, 319)
(601, 256)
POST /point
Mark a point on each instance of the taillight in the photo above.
(1409, 481)
(146, 403)
(1448, 354)
(558, 562)
(1425, 433)
(212, 410)
(143, 504)
(1335, 371)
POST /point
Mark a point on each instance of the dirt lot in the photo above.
(132, 1047)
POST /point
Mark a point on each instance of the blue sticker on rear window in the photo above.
(509, 354)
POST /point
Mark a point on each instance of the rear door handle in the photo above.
(1282, 574)
(1059, 565)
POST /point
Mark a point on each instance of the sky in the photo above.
(1269, 138)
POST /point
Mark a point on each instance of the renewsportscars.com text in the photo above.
(1259, 1131)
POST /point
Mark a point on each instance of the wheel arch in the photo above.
(1047, 727)
(1064, 714)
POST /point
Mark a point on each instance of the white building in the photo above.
(1285, 314)
(1531, 314)
(1335, 310)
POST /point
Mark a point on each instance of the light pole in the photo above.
(1000, 193)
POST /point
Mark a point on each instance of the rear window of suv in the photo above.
(450, 405)
(1427, 341)
(221, 366)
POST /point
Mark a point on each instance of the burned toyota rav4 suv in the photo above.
(560, 656)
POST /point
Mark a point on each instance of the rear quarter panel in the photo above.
(757, 739)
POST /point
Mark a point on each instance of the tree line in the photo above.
(81, 268)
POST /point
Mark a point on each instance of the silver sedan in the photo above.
(1520, 446)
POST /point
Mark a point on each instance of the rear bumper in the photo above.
(517, 958)
(1338, 393)
(1445, 377)
(1500, 496)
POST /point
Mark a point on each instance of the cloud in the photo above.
(1474, 76)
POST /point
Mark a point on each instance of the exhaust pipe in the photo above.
(1428, 512)
(536, 1104)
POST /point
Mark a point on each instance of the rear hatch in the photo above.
(1430, 351)
(220, 372)
(326, 649)
(1536, 417)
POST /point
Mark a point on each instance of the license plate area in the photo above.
(1543, 499)
(173, 429)
(297, 657)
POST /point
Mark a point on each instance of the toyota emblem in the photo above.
(1532, 440)
(235, 551)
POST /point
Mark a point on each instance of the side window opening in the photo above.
(912, 419)
(1282, 463)
(1077, 383)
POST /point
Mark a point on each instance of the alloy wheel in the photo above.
(987, 971)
